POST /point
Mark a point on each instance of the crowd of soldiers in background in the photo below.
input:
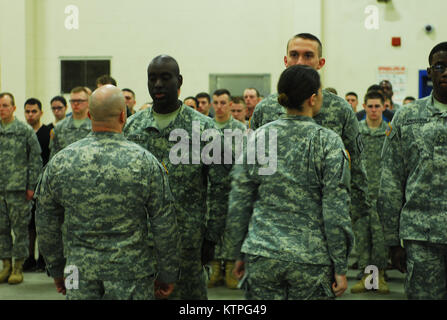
(196, 187)
(222, 107)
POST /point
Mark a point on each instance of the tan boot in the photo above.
(16, 276)
(230, 279)
(359, 287)
(216, 277)
(6, 271)
(383, 286)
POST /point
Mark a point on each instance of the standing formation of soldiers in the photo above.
(113, 204)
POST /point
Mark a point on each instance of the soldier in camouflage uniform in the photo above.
(73, 128)
(94, 212)
(21, 165)
(413, 187)
(157, 129)
(293, 225)
(335, 114)
(370, 240)
(223, 120)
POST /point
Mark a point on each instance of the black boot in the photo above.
(29, 264)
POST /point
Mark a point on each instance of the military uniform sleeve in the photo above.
(256, 118)
(392, 184)
(335, 203)
(163, 224)
(34, 161)
(241, 201)
(49, 219)
(54, 145)
(217, 197)
(360, 203)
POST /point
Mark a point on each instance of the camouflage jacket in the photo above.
(20, 157)
(299, 213)
(189, 177)
(65, 133)
(335, 114)
(94, 209)
(373, 142)
(413, 186)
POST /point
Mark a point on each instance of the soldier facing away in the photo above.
(95, 212)
(293, 226)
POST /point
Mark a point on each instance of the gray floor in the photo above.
(38, 286)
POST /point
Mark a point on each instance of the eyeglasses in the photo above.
(439, 67)
(57, 108)
(31, 111)
(127, 98)
(73, 101)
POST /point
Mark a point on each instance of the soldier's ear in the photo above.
(88, 115)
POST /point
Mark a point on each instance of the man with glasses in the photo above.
(59, 109)
(413, 187)
(21, 165)
(73, 128)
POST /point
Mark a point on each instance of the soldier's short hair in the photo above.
(203, 95)
(220, 92)
(60, 99)
(439, 47)
(256, 90)
(307, 36)
(33, 101)
(10, 95)
(239, 100)
(78, 90)
(351, 93)
(374, 95)
(128, 90)
(105, 79)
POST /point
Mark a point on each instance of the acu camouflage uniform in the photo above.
(335, 114)
(370, 241)
(294, 225)
(21, 166)
(94, 210)
(233, 125)
(65, 133)
(189, 185)
(412, 200)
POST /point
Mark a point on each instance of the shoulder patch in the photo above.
(52, 134)
(389, 129)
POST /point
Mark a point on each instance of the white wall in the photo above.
(205, 36)
(354, 53)
(209, 36)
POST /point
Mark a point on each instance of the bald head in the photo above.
(106, 103)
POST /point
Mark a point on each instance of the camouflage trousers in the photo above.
(370, 241)
(426, 277)
(192, 282)
(270, 279)
(15, 215)
(136, 289)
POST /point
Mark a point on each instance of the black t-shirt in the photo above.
(43, 135)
